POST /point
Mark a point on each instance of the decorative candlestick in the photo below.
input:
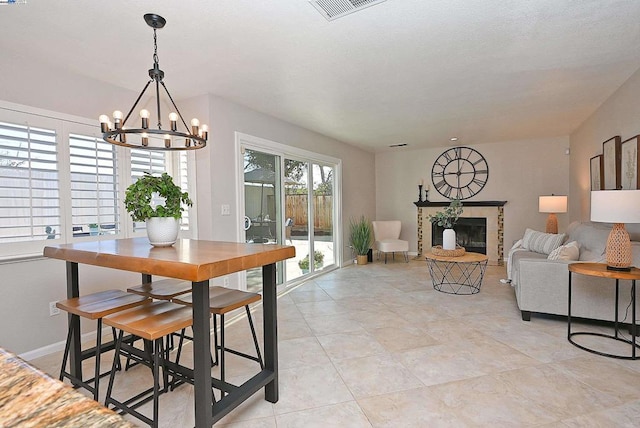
(426, 195)
(419, 192)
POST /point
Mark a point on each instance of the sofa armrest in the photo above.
(543, 285)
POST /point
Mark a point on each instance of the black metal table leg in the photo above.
(270, 317)
(633, 314)
(202, 355)
(569, 311)
(615, 335)
(73, 290)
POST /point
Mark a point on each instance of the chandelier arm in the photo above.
(137, 101)
(175, 106)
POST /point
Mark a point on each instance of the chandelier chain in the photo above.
(155, 47)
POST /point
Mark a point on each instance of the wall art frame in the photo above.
(629, 159)
(611, 161)
(597, 172)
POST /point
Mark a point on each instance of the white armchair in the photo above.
(386, 235)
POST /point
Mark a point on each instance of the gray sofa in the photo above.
(541, 285)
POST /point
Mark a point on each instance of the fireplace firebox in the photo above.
(471, 233)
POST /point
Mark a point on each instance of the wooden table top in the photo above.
(188, 259)
(600, 270)
(465, 258)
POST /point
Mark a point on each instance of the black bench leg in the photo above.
(526, 315)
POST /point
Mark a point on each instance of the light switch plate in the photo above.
(225, 209)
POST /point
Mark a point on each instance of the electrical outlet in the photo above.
(53, 309)
(226, 282)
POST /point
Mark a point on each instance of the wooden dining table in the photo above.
(197, 261)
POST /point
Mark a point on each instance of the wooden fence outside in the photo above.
(296, 209)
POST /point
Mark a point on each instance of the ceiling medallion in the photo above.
(190, 138)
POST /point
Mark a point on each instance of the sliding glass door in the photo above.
(262, 206)
(289, 200)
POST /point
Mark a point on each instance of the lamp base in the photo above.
(552, 224)
(618, 248)
(619, 269)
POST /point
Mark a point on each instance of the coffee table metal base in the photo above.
(457, 275)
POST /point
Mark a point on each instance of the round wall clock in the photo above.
(460, 172)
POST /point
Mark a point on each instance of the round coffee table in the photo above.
(457, 275)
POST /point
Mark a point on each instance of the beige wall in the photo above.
(618, 115)
(519, 172)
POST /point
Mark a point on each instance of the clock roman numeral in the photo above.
(479, 181)
(447, 191)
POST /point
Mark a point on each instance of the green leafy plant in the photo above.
(449, 217)
(93, 225)
(360, 235)
(318, 260)
(139, 195)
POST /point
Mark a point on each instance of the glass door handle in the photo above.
(247, 223)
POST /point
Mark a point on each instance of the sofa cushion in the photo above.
(568, 252)
(592, 238)
(539, 242)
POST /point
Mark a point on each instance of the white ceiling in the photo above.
(402, 71)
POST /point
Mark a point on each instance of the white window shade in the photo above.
(183, 178)
(29, 183)
(94, 185)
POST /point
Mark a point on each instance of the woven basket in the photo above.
(438, 251)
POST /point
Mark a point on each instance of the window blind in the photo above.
(183, 177)
(29, 183)
(94, 185)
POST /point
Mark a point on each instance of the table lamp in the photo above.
(552, 204)
(617, 207)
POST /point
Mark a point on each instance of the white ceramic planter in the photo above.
(449, 239)
(162, 231)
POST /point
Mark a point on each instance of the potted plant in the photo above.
(447, 219)
(360, 238)
(318, 261)
(93, 229)
(162, 219)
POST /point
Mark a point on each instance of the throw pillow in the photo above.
(568, 252)
(539, 242)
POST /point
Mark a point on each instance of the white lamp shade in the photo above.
(552, 204)
(615, 206)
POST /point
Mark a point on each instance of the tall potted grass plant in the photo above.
(360, 238)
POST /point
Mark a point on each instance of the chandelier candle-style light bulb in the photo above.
(104, 123)
(195, 123)
(179, 135)
(204, 132)
(117, 119)
(144, 115)
(173, 121)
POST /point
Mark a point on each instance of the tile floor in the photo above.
(375, 345)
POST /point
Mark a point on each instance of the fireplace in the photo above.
(492, 212)
(471, 233)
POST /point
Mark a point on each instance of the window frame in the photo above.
(65, 125)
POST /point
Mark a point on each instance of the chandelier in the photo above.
(190, 138)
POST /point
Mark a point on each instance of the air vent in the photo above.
(334, 9)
